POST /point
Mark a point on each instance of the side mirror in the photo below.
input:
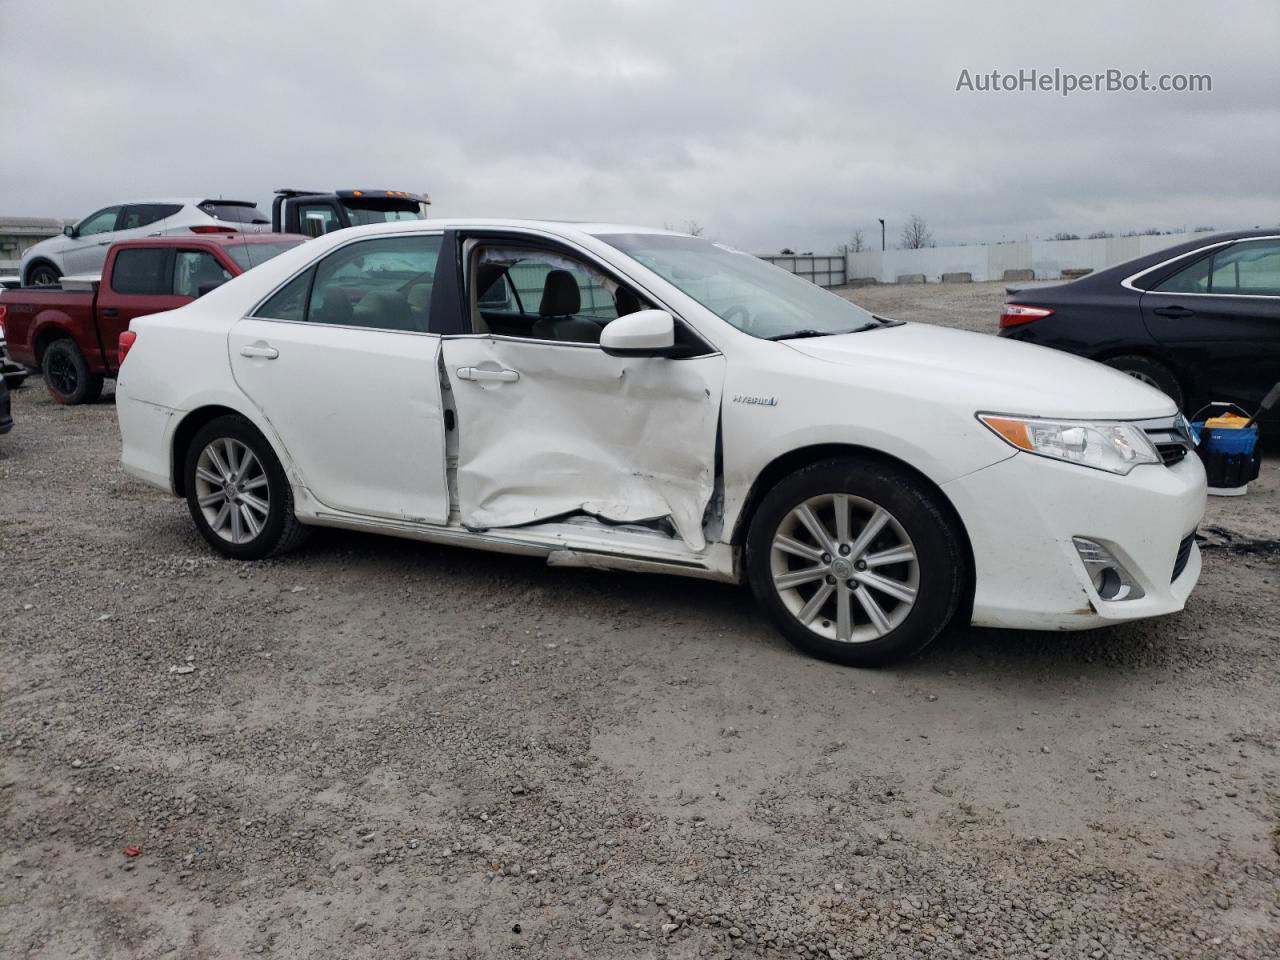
(648, 333)
(69, 231)
(206, 287)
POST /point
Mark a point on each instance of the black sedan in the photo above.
(1200, 321)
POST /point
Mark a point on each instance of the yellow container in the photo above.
(1228, 421)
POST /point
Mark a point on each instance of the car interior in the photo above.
(542, 295)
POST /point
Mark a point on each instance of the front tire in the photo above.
(856, 562)
(67, 375)
(43, 273)
(237, 492)
(1151, 372)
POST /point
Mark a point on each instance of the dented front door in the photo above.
(550, 429)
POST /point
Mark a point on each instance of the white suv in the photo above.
(622, 398)
(83, 248)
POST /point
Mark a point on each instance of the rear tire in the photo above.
(42, 273)
(237, 492)
(868, 590)
(1151, 372)
(67, 375)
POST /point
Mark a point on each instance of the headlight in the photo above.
(1113, 446)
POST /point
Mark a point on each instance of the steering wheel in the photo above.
(733, 311)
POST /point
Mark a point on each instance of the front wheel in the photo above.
(237, 491)
(855, 561)
(43, 274)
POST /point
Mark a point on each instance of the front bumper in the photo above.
(1022, 513)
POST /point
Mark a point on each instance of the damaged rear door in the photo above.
(553, 427)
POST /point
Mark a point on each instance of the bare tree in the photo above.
(694, 228)
(916, 234)
(1066, 236)
(1203, 230)
(1101, 235)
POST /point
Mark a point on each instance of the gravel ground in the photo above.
(382, 749)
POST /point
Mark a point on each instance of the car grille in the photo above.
(1171, 437)
(1184, 554)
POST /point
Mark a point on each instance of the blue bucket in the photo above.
(1230, 457)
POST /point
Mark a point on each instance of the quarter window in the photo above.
(1192, 279)
(290, 301)
(141, 272)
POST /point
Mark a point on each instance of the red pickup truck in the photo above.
(72, 331)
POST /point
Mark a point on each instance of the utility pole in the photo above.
(881, 234)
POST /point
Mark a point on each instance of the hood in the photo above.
(988, 373)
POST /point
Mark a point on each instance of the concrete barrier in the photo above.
(1019, 275)
(1076, 273)
(910, 278)
(957, 277)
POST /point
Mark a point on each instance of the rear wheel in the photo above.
(855, 561)
(237, 492)
(1151, 372)
(67, 375)
(42, 274)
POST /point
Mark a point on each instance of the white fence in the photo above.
(1048, 258)
(824, 271)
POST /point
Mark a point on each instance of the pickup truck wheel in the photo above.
(42, 274)
(1151, 372)
(67, 375)
(855, 561)
(237, 492)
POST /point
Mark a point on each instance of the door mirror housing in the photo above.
(69, 231)
(647, 333)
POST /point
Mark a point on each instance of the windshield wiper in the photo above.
(804, 334)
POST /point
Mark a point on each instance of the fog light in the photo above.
(1110, 579)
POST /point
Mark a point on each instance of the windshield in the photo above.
(251, 254)
(745, 291)
(364, 213)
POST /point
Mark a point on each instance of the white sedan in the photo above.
(632, 399)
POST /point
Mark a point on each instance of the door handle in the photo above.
(479, 373)
(1174, 311)
(104, 243)
(260, 350)
(110, 312)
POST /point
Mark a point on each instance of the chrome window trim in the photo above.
(1128, 281)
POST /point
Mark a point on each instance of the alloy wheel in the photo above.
(61, 372)
(232, 490)
(845, 568)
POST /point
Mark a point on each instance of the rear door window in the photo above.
(143, 214)
(193, 269)
(385, 284)
(142, 272)
(1247, 269)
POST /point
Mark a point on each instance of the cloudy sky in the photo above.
(773, 124)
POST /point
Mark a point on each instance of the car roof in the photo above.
(590, 227)
(1147, 260)
(186, 201)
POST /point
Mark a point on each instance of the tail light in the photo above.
(1015, 315)
(127, 339)
(212, 229)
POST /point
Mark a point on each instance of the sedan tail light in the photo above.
(212, 229)
(127, 339)
(1015, 315)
